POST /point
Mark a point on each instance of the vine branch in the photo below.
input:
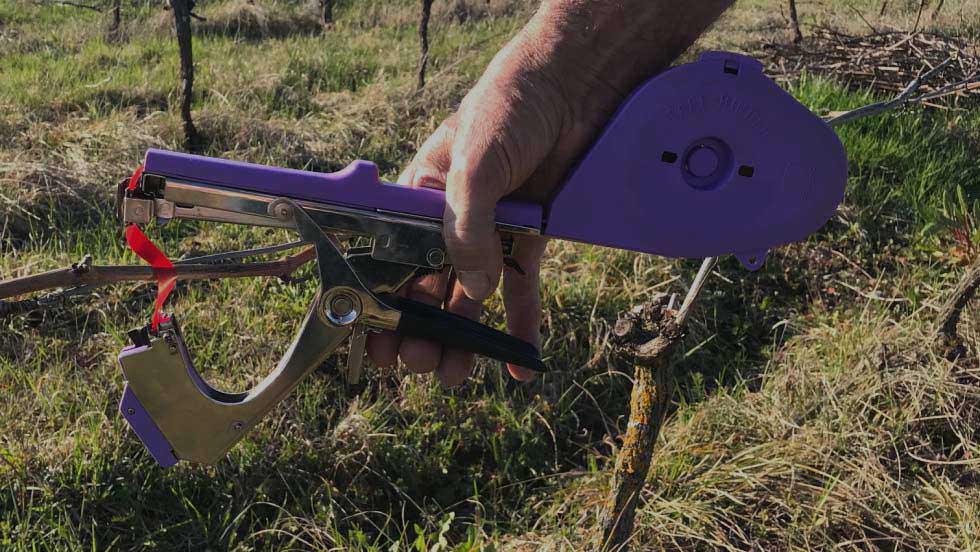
(949, 315)
(82, 274)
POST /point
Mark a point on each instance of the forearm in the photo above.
(619, 43)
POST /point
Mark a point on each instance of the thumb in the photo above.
(470, 229)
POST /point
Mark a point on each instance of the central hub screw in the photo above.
(702, 161)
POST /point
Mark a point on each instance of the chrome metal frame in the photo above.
(202, 423)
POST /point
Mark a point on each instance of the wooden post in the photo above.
(116, 19)
(918, 14)
(424, 42)
(648, 334)
(182, 21)
(795, 20)
(326, 13)
(949, 316)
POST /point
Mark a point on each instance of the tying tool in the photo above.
(706, 159)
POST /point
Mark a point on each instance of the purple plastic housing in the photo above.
(356, 186)
(706, 159)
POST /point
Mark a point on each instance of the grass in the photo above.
(813, 411)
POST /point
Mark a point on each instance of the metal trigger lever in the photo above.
(350, 302)
(179, 416)
(355, 356)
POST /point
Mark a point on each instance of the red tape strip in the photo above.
(135, 179)
(163, 269)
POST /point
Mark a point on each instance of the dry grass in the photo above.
(861, 437)
(245, 20)
(405, 14)
(885, 62)
(757, 22)
(66, 169)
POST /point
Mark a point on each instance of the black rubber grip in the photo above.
(434, 324)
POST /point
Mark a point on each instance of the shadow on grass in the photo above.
(47, 199)
(258, 25)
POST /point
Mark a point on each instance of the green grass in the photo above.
(808, 414)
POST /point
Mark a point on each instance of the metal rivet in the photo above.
(171, 342)
(436, 257)
(238, 426)
(281, 209)
(341, 305)
(130, 411)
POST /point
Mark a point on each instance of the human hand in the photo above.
(539, 104)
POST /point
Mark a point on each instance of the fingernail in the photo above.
(476, 284)
(520, 373)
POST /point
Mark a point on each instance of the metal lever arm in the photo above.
(179, 416)
(197, 421)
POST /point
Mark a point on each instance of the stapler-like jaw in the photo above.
(179, 416)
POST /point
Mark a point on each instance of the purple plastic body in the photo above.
(356, 186)
(708, 158)
(144, 427)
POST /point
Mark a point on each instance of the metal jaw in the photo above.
(179, 416)
(395, 239)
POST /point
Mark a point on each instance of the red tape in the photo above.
(135, 179)
(163, 269)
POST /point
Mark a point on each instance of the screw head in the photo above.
(435, 257)
(130, 411)
(341, 305)
(238, 426)
(281, 209)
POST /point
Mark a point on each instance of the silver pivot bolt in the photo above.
(342, 308)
